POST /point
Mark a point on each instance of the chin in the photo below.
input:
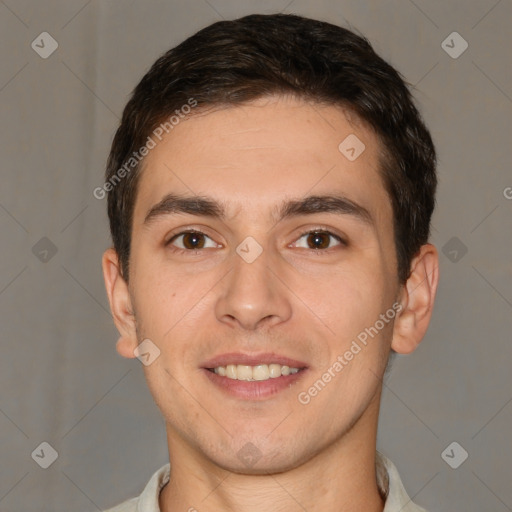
(260, 458)
(263, 466)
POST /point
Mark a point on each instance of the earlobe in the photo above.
(418, 296)
(125, 348)
(120, 304)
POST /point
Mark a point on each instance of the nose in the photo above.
(252, 295)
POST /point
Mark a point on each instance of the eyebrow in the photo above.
(209, 207)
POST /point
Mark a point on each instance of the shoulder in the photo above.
(396, 495)
(148, 499)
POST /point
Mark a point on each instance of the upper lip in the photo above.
(252, 360)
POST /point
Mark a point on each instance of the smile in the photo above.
(256, 376)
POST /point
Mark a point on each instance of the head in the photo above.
(249, 117)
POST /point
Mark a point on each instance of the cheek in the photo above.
(160, 290)
(353, 313)
(172, 308)
(350, 296)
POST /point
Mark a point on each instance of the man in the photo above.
(270, 190)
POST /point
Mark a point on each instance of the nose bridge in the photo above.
(251, 292)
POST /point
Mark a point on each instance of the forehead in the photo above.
(250, 156)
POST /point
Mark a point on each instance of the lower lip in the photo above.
(254, 389)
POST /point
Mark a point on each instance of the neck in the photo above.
(339, 477)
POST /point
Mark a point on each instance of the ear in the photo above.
(417, 300)
(120, 304)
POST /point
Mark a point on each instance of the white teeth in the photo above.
(260, 372)
(274, 370)
(250, 373)
(243, 372)
(231, 371)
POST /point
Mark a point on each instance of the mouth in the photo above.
(253, 377)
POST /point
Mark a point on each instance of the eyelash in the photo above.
(319, 230)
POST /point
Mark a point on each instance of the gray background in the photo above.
(61, 379)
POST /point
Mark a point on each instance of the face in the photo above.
(263, 275)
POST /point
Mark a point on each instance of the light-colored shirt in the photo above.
(388, 480)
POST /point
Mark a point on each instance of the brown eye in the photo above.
(193, 240)
(316, 240)
(190, 241)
